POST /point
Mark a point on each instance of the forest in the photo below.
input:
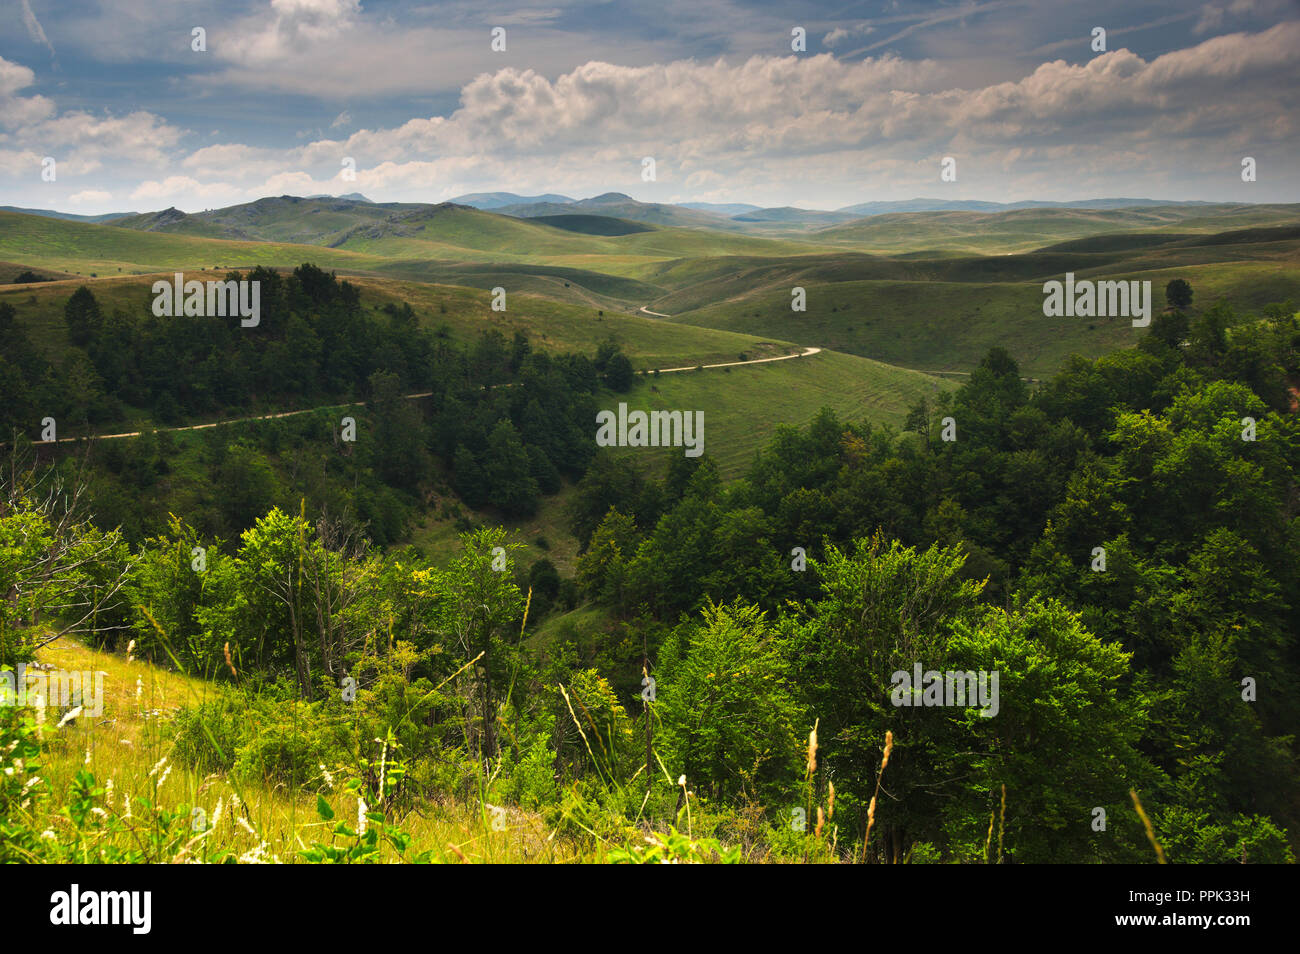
(1119, 543)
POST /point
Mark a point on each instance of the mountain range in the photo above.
(229, 223)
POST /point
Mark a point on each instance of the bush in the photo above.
(531, 783)
(258, 739)
(289, 751)
(208, 735)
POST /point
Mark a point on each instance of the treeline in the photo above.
(1014, 461)
(1120, 546)
(1146, 499)
(322, 644)
(497, 424)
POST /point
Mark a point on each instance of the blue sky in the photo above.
(413, 94)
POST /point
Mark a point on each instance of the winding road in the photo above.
(732, 364)
(726, 364)
(410, 397)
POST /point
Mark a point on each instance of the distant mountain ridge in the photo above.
(70, 216)
(722, 208)
(355, 221)
(491, 201)
(977, 205)
(621, 206)
(732, 216)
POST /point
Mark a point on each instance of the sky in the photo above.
(289, 96)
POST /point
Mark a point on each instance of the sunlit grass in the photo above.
(129, 747)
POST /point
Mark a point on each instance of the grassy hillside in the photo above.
(550, 325)
(131, 749)
(9, 271)
(944, 313)
(1024, 229)
(448, 231)
(744, 405)
(949, 326)
(932, 326)
(938, 311)
(624, 207)
(592, 224)
(40, 242)
(450, 244)
(283, 218)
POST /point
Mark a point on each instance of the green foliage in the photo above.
(20, 783)
(1178, 293)
(1062, 741)
(674, 848)
(1165, 670)
(55, 568)
(1191, 837)
(363, 844)
(730, 716)
(82, 316)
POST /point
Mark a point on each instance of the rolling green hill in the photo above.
(46, 244)
(465, 311)
(622, 206)
(83, 248)
(1020, 230)
(575, 278)
(592, 224)
(449, 231)
(949, 326)
(943, 314)
(929, 326)
(286, 218)
(742, 406)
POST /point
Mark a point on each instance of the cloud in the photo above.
(342, 119)
(923, 21)
(840, 34)
(1213, 15)
(34, 28)
(742, 129)
(297, 25)
(787, 106)
(95, 196)
(1115, 113)
(15, 110)
(82, 143)
(174, 187)
(140, 138)
(21, 164)
(337, 50)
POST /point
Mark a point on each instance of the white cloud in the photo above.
(741, 130)
(18, 110)
(93, 196)
(1215, 13)
(21, 165)
(175, 187)
(840, 34)
(34, 28)
(297, 25)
